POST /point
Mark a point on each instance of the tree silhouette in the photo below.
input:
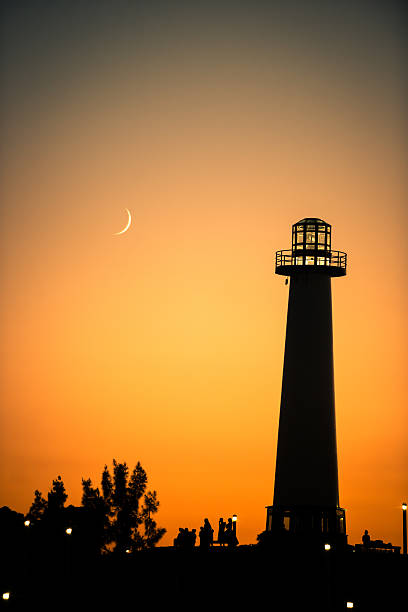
(152, 533)
(137, 483)
(49, 514)
(38, 507)
(121, 507)
(49, 519)
(107, 486)
(57, 496)
(119, 517)
(94, 518)
(124, 515)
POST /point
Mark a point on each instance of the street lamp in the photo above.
(327, 547)
(350, 604)
(6, 595)
(27, 523)
(234, 524)
(404, 528)
(68, 531)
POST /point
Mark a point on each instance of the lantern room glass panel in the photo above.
(311, 242)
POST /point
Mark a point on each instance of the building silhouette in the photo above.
(306, 494)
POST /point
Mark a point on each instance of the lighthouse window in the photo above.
(299, 261)
(321, 247)
(322, 238)
(310, 237)
(300, 236)
(310, 261)
(321, 228)
(320, 261)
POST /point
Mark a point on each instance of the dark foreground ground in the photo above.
(245, 577)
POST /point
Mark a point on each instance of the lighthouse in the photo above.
(306, 494)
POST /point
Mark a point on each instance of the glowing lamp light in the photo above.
(127, 551)
(349, 604)
(6, 595)
(68, 531)
(327, 547)
(404, 506)
(27, 523)
(234, 518)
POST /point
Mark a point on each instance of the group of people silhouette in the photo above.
(226, 535)
(185, 538)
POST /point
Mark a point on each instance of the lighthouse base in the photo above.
(312, 525)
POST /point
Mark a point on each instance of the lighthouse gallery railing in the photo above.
(333, 259)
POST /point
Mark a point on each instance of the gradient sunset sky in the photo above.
(218, 125)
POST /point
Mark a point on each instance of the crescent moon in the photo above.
(127, 225)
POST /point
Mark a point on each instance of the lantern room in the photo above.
(311, 250)
(311, 235)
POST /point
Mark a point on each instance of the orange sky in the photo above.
(165, 344)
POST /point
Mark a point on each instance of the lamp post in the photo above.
(404, 528)
(234, 526)
(234, 529)
(68, 552)
(27, 549)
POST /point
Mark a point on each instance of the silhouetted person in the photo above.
(366, 539)
(209, 531)
(178, 541)
(221, 531)
(203, 538)
(206, 534)
(230, 537)
(193, 537)
(228, 532)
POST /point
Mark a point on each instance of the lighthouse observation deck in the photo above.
(311, 251)
(333, 263)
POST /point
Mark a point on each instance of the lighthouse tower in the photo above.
(306, 496)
